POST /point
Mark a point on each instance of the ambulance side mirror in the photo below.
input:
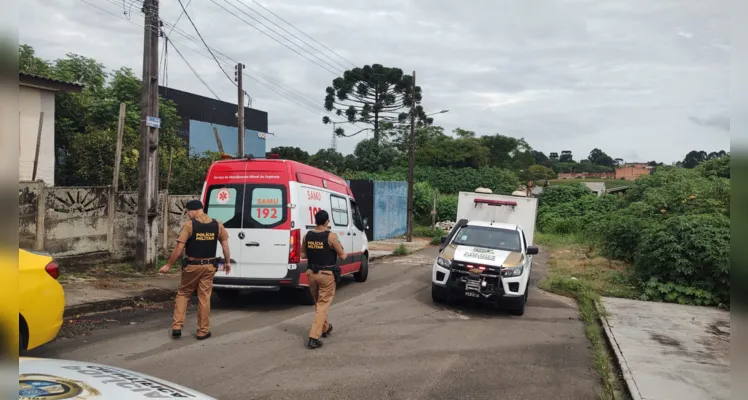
(531, 250)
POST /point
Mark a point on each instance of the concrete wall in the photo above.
(74, 221)
(390, 209)
(631, 173)
(31, 102)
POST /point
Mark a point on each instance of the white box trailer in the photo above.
(508, 209)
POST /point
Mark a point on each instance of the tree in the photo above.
(694, 158)
(502, 149)
(464, 134)
(566, 156)
(553, 156)
(372, 95)
(599, 157)
(290, 153)
(539, 156)
(328, 160)
(373, 157)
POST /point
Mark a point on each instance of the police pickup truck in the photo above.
(487, 256)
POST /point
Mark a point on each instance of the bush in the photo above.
(401, 250)
(450, 180)
(686, 259)
(559, 194)
(447, 208)
(425, 231)
(423, 199)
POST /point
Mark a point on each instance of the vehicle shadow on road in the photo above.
(256, 301)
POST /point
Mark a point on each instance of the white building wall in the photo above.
(31, 102)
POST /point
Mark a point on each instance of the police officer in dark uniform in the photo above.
(321, 248)
(198, 240)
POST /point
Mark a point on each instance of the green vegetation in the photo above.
(672, 228)
(609, 183)
(401, 250)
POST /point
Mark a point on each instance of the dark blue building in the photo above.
(201, 114)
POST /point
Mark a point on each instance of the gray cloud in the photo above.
(627, 77)
(721, 122)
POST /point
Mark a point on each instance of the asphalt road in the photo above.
(390, 342)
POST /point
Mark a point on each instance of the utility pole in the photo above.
(240, 110)
(411, 159)
(145, 240)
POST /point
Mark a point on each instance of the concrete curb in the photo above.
(628, 377)
(153, 295)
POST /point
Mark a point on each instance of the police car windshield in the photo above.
(489, 238)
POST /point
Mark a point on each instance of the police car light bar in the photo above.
(495, 202)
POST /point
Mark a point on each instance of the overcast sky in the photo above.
(640, 79)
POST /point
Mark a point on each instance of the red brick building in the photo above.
(631, 172)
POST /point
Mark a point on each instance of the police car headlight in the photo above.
(511, 272)
(443, 262)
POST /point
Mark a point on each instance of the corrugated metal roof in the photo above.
(51, 80)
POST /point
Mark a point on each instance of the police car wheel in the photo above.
(438, 294)
(363, 272)
(226, 295)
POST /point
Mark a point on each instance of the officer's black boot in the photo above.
(327, 333)
(314, 343)
(176, 333)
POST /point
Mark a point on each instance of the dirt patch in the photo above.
(720, 329)
(666, 340)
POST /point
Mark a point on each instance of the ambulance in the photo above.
(267, 206)
(487, 256)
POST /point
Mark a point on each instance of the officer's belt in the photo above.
(208, 261)
(317, 268)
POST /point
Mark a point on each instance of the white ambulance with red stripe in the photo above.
(267, 206)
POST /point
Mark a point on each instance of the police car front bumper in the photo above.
(486, 286)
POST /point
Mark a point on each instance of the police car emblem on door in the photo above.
(241, 235)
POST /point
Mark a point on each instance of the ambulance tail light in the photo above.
(294, 247)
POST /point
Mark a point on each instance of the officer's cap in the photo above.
(193, 205)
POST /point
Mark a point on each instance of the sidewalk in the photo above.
(85, 294)
(670, 351)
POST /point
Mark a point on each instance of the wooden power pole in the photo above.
(411, 159)
(146, 227)
(240, 109)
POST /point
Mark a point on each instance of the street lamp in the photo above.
(412, 165)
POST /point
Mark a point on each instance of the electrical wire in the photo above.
(197, 75)
(300, 99)
(303, 33)
(286, 31)
(206, 45)
(335, 73)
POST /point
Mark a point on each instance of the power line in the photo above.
(302, 100)
(285, 30)
(303, 33)
(336, 73)
(197, 75)
(203, 40)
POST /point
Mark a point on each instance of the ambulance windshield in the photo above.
(489, 238)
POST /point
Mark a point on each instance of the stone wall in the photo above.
(75, 221)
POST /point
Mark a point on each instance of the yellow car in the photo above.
(41, 299)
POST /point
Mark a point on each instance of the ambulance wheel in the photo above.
(363, 272)
(305, 296)
(227, 296)
(438, 294)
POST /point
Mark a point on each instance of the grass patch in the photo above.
(575, 271)
(401, 250)
(609, 183)
(106, 275)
